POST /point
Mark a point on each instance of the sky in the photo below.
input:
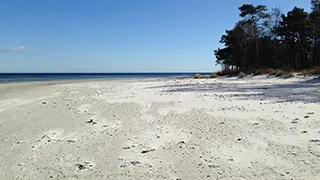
(118, 35)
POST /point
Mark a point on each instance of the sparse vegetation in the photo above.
(242, 75)
(313, 71)
(228, 72)
(257, 72)
(214, 75)
(280, 73)
(287, 73)
(277, 72)
(198, 76)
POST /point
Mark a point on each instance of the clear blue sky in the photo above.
(117, 35)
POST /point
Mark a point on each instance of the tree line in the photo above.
(270, 39)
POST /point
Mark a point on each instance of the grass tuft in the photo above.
(198, 76)
(309, 72)
(214, 75)
(242, 74)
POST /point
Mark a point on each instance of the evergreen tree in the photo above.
(272, 40)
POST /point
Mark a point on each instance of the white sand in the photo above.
(253, 128)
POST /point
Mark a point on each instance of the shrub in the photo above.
(279, 73)
(214, 75)
(242, 75)
(275, 72)
(313, 71)
(288, 75)
(198, 76)
(269, 70)
(316, 71)
(257, 72)
(228, 72)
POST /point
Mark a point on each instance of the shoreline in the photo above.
(204, 77)
(71, 81)
(37, 77)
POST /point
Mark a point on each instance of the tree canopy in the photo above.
(270, 39)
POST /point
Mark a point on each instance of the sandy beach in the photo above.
(176, 129)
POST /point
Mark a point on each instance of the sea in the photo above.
(28, 77)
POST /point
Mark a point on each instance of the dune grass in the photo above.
(198, 76)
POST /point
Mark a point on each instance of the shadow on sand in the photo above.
(300, 91)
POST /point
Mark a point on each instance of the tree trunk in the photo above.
(257, 45)
(257, 51)
(302, 62)
(274, 54)
(315, 52)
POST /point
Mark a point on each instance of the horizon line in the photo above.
(103, 72)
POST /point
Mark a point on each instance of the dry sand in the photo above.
(177, 129)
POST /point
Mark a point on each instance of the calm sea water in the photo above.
(24, 77)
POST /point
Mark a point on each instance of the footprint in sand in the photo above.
(48, 137)
(82, 109)
(56, 135)
(56, 93)
(86, 165)
(153, 140)
(74, 92)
